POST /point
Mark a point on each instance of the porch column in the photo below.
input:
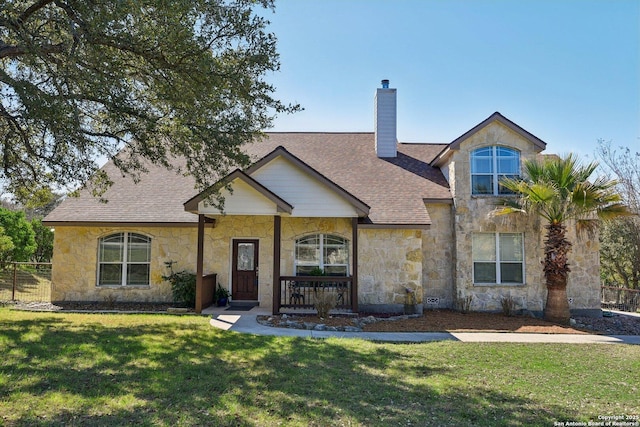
(199, 262)
(354, 269)
(276, 264)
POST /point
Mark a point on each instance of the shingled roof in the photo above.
(393, 188)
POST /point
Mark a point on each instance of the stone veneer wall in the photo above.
(218, 250)
(74, 274)
(472, 214)
(390, 260)
(437, 260)
(75, 256)
(583, 288)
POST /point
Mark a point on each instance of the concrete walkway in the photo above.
(246, 322)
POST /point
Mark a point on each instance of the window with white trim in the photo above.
(498, 258)
(489, 165)
(326, 252)
(124, 259)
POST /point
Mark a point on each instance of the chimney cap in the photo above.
(385, 84)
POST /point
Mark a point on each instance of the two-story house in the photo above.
(376, 217)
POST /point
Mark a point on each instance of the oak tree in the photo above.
(82, 79)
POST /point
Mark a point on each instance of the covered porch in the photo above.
(274, 288)
(257, 256)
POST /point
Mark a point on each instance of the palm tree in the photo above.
(559, 190)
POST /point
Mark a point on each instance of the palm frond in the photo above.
(558, 189)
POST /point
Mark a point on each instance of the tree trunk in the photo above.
(557, 309)
(556, 270)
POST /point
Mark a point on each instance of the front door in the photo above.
(244, 284)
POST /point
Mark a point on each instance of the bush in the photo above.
(325, 302)
(183, 286)
(508, 306)
(464, 303)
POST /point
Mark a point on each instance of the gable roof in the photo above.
(392, 189)
(495, 117)
(361, 207)
(191, 205)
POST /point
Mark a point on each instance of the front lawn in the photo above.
(77, 369)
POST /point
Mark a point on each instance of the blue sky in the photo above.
(567, 71)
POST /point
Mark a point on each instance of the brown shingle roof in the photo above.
(394, 188)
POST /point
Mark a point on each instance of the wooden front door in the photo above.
(244, 284)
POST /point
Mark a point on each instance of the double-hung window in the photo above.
(124, 259)
(322, 251)
(498, 258)
(489, 165)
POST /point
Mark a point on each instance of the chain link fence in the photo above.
(25, 281)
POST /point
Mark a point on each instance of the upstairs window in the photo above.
(124, 260)
(322, 251)
(489, 165)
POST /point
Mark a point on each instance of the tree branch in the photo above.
(7, 51)
(32, 9)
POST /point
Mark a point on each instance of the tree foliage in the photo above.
(620, 240)
(17, 227)
(80, 80)
(6, 245)
(43, 236)
(560, 191)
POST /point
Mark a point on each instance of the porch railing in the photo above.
(303, 291)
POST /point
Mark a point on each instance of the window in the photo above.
(323, 251)
(498, 258)
(124, 259)
(489, 165)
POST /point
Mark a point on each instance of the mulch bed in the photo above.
(452, 321)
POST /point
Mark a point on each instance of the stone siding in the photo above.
(390, 261)
(437, 260)
(74, 273)
(583, 288)
(472, 215)
(75, 258)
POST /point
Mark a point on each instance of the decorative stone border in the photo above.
(293, 322)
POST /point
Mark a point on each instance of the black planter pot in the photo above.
(222, 302)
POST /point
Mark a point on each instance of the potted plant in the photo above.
(222, 296)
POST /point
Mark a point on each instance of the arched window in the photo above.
(124, 259)
(489, 165)
(322, 251)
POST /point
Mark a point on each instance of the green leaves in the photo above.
(558, 189)
(18, 229)
(82, 80)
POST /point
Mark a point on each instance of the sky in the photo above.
(568, 71)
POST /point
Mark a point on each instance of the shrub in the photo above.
(325, 302)
(183, 285)
(508, 306)
(464, 304)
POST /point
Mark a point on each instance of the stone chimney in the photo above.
(385, 121)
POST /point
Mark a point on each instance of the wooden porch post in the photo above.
(276, 264)
(199, 261)
(354, 269)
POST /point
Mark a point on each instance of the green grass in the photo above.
(76, 369)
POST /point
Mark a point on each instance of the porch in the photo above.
(274, 290)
